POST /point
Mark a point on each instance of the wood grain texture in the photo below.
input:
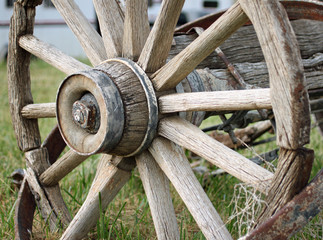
(39, 110)
(192, 138)
(216, 101)
(186, 61)
(19, 85)
(291, 176)
(257, 73)
(63, 166)
(109, 179)
(88, 37)
(136, 28)
(288, 92)
(111, 19)
(135, 102)
(156, 186)
(158, 44)
(51, 55)
(243, 45)
(172, 160)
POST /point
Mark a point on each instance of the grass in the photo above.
(128, 216)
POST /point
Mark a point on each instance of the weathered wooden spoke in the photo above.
(156, 186)
(119, 109)
(111, 18)
(51, 55)
(186, 61)
(192, 138)
(172, 160)
(112, 174)
(158, 44)
(136, 29)
(88, 37)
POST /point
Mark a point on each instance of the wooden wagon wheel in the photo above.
(125, 107)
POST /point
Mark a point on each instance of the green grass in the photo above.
(128, 216)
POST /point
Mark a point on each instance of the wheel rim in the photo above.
(149, 64)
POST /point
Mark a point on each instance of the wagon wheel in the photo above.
(112, 109)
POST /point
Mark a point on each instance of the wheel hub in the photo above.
(111, 108)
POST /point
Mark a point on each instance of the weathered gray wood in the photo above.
(216, 101)
(172, 160)
(243, 46)
(136, 29)
(257, 73)
(291, 176)
(40, 110)
(63, 166)
(193, 139)
(185, 62)
(19, 91)
(139, 102)
(51, 55)
(50, 200)
(111, 18)
(288, 92)
(110, 105)
(112, 174)
(158, 44)
(88, 37)
(156, 186)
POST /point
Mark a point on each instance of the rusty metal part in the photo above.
(294, 215)
(307, 9)
(24, 212)
(54, 144)
(86, 113)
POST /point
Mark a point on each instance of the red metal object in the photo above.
(294, 215)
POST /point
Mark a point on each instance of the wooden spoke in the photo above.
(215, 101)
(192, 138)
(51, 55)
(88, 37)
(111, 18)
(156, 186)
(286, 73)
(172, 160)
(158, 44)
(61, 168)
(39, 110)
(136, 28)
(112, 174)
(186, 61)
